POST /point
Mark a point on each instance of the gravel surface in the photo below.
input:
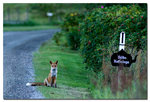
(18, 68)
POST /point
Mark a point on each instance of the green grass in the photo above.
(28, 28)
(133, 92)
(72, 80)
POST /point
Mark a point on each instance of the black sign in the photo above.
(122, 58)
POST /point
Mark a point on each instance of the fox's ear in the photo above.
(50, 62)
(56, 62)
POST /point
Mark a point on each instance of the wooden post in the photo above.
(120, 67)
(120, 74)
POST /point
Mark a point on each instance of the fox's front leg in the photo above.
(55, 82)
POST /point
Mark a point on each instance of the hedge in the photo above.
(102, 26)
(71, 27)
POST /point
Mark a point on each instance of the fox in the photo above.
(51, 79)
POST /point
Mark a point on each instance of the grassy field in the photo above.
(28, 28)
(72, 79)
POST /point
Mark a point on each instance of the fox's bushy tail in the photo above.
(35, 84)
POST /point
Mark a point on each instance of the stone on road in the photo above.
(17, 67)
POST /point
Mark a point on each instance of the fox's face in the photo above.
(54, 65)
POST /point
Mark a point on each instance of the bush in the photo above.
(70, 27)
(71, 20)
(102, 27)
(73, 38)
(60, 39)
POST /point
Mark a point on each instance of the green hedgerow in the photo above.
(102, 26)
(71, 27)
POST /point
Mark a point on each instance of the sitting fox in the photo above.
(51, 80)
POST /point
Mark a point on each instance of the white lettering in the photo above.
(118, 61)
(121, 57)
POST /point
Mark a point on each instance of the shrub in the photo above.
(70, 27)
(102, 27)
(73, 38)
(71, 20)
(60, 39)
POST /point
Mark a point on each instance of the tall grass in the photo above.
(129, 83)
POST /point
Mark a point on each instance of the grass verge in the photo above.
(72, 79)
(28, 28)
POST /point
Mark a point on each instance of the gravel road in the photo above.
(17, 67)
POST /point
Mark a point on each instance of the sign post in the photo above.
(49, 14)
(121, 59)
(120, 67)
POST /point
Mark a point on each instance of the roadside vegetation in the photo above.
(95, 34)
(28, 28)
